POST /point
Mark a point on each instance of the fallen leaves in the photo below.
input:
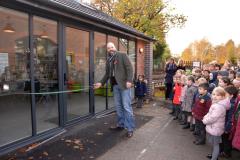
(76, 144)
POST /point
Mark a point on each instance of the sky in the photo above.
(215, 20)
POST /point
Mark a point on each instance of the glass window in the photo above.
(123, 45)
(15, 106)
(132, 54)
(100, 54)
(45, 72)
(114, 40)
(77, 60)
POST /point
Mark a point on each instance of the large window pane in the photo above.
(123, 45)
(45, 73)
(132, 56)
(114, 40)
(100, 68)
(132, 53)
(77, 60)
(15, 106)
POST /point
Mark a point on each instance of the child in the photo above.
(198, 82)
(188, 101)
(232, 75)
(236, 81)
(236, 131)
(140, 90)
(173, 108)
(206, 74)
(177, 95)
(215, 120)
(183, 91)
(224, 82)
(197, 73)
(226, 146)
(200, 109)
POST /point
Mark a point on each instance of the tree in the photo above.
(152, 17)
(199, 51)
(187, 54)
(230, 49)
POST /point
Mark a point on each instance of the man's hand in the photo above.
(97, 85)
(128, 84)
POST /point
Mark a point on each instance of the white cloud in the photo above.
(216, 20)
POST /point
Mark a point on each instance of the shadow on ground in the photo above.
(82, 142)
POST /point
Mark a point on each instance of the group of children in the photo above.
(207, 103)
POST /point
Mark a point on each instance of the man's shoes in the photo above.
(186, 126)
(192, 128)
(209, 156)
(199, 143)
(195, 133)
(129, 134)
(224, 155)
(171, 113)
(183, 123)
(116, 128)
(175, 118)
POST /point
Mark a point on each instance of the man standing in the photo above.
(119, 71)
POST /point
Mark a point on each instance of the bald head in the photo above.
(111, 48)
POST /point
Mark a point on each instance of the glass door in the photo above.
(76, 76)
(45, 60)
(15, 106)
(100, 56)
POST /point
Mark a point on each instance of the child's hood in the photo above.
(226, 103)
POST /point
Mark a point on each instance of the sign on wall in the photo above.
(196, 64)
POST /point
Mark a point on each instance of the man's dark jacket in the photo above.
(123, 70)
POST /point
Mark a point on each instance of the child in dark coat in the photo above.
(201, 107)
(226, 146)
(140, 90)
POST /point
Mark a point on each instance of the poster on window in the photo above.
(3, 62)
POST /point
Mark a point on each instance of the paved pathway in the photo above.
(160, 139)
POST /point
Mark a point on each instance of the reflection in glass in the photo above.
(15, 106)
(132, 56)
(77, 60)
(114, 40)
(100, 54)
(45, 73)
(123, 45)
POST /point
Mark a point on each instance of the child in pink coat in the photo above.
(215, 119)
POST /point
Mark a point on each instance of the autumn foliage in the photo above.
(206, 52)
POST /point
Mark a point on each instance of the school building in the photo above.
(51, 54)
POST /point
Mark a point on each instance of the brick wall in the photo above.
(140, 58)
(148, 63)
